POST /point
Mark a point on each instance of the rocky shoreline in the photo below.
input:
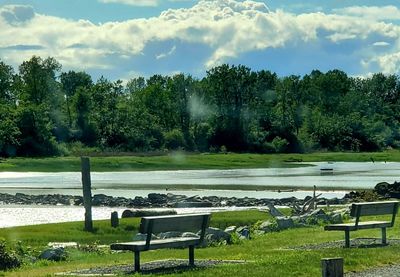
(381, 191)
(156, 200)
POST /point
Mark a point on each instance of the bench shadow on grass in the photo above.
(155, 267)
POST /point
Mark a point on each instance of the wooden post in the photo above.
(315, 199)
(346, 238)
(87, 193)
(114, 220)
(332, 267)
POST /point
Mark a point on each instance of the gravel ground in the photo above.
(155, 267)
(175, 266)
(385, 271)
(354, 243)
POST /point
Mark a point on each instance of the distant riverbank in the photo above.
(190, 161)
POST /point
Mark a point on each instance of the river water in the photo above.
(334, 180)
(344, 175)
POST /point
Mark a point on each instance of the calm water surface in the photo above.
(342, 175)
(336, 175)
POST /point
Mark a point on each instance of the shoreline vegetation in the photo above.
(189, 161)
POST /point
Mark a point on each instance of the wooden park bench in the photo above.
(359, 210)
(158, 224)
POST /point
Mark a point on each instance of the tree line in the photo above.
(45, 111)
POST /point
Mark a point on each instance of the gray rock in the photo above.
(157, 198)
(274, 211)
(144, 212)
(54, 254)
(243, 232)
(284, 223)
(214, 235)
(189, 235)
(142, 237)
(267, 226)
(230, 229)
(171, 234)
(336, 218)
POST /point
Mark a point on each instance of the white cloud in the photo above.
(381, 43)
(226, 28)
(372, 12)
(389, 63)
(133, 2)
(164, 55)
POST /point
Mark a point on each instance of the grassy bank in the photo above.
(181, 161)
(267, 255)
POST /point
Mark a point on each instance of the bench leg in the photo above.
(191, 255)
(383, 235)
(137, 261)
(347, 238)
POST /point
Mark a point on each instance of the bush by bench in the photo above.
(359, 210)
(157, 224)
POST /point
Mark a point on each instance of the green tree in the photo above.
(71, 81)
(9, 131)
(38, 99)
(230, 90)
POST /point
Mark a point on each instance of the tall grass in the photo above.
(181, 160)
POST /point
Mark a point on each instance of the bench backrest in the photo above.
(374, 208)
(180, 223)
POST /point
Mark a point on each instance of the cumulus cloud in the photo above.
(389, 63)
(225, 29)
(132, 2)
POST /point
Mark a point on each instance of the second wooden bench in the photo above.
(359, 210)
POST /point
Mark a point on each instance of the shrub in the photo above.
(279, 144)
(8, 259)
(174, 139)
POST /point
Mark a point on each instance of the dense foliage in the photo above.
(44, 111)
(8, 259)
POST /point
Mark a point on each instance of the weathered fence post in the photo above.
(87, 193)
(332, 267)
(114, 220)
(315, 198)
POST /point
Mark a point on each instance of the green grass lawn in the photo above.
(267, 255)
(175, 161)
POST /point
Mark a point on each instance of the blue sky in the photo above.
(122, 39)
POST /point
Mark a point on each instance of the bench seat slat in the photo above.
(361, 225)
(155, 244)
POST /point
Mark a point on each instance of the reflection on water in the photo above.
(15, 215)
